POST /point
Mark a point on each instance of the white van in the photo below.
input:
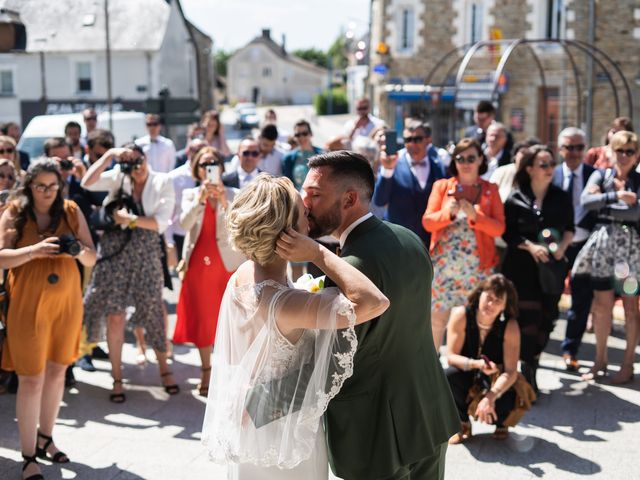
(127, 126)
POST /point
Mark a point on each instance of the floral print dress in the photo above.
(456, 265)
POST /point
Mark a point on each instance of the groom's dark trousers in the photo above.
(393, 417)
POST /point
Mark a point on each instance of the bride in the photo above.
(281, 354)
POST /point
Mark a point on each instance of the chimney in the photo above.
(284, 43)
(266, 33)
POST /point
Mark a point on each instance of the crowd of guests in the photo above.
(504, 223)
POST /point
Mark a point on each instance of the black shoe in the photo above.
(86, 364)
(41, 452)
(99, 354)
(28, 460)
(69, 377)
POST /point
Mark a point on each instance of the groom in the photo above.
(393, 417)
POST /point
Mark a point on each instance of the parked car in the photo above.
(127, 126)
(246, 116)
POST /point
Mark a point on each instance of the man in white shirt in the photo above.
(270, 155)
(160, 151)
(247, 170)
(496, 152)
(364, 123)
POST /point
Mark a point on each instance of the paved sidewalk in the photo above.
(576, 430)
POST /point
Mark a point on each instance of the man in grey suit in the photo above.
(394, 415)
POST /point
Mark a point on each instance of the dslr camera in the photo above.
(66, 164)
(129, 166)
(69, 244)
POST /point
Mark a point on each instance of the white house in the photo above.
(64, 68)
(263, 72)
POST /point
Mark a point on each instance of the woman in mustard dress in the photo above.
(45, 307)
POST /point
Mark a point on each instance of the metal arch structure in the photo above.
(513, 44)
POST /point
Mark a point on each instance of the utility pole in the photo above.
(591, 39)
(108, 52)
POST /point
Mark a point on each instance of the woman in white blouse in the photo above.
(128, 272)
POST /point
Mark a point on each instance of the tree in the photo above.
(338, 53)
(313, 55)
(221, 59)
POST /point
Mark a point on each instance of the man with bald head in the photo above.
(247, 170)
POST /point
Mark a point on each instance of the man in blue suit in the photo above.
(405, 180)
(572, 175)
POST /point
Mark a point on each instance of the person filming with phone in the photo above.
(207, 258)
(464, 216)
(129, 272)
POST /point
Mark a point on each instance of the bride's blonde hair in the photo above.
(259, 214)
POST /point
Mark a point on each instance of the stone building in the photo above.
(418, 46)
(264, 72)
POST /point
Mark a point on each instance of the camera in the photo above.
(66, 164)
(68, 244)
(129, 166)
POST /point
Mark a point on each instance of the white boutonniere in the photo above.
(309, 283)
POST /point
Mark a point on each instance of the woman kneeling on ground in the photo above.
(483, 347)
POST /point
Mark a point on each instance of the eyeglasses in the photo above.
(7, 151)
(546, 165)
(620, 151)
(468, 159)
(301, 134)
(42, 188)
(250, 153)
(152, 124)
(574, 148)
(9, 177)
(92, 119)
(414, 139)
(207, 164)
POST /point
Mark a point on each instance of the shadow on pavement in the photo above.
(12, 469)
(528, 452)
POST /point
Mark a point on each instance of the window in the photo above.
(83, 77)
(407, 27)
(6, 82)
(476, 22)
(555, 19)
(266, 72)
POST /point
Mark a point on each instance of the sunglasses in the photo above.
(42, 188)
(468, 159)
(10, 177)
(415, 139)
(153, 124)
(207, 164)
(86, 119)
(546, 165)
(301, 134)
(7, 150)
(628, 153)
(250, 153)
(574, 148)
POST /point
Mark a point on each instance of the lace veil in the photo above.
(267, 394)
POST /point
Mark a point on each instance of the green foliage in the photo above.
(313, 55)
(339, 102)
(337, 52)
(221, 59)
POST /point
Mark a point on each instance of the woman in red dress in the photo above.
(208, 260)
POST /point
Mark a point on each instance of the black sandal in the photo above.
(41, 452)
(170, 389)
(28, 460)
(203, 390)
(117, 397)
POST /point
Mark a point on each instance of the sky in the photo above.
(306, 23)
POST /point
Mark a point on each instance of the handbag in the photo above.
(102, 218)
(552, 274)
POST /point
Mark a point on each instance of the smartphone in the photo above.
(487, 362)
(391, 142)
(213, 174)
(4, 195)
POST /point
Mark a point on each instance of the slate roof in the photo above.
(58, 25)
(282, 53)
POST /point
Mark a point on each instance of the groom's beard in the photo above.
(320, 226)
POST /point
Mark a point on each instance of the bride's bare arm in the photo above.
(369, 302)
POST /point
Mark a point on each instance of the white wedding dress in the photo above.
(267, 394)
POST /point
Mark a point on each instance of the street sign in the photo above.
(381, 69)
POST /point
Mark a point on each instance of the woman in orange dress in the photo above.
(41, 237)
(208, 260)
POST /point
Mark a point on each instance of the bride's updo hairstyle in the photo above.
(259, 214)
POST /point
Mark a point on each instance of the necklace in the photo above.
(483, 327)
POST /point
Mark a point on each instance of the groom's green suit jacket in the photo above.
(397, 407)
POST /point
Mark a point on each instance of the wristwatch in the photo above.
(133, 222)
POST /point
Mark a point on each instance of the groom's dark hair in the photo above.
(349, 167)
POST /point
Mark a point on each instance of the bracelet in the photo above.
(467, 367)
(133, 223)
(30, 253)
